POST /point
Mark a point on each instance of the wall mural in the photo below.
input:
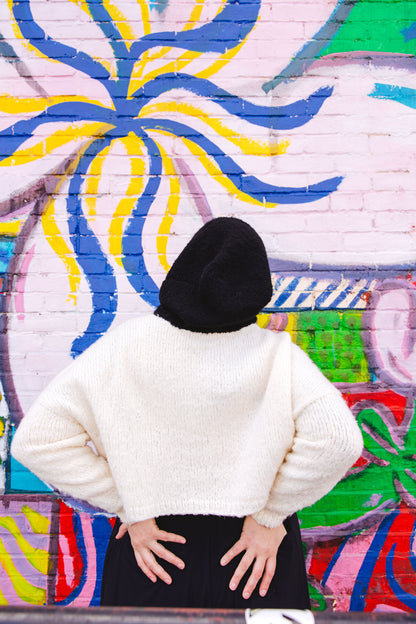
(126, 125)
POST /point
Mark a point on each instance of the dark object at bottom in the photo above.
(203, 583)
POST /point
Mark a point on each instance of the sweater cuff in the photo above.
(123, 516)
(267, 518)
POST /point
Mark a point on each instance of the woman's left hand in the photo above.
(260, 545)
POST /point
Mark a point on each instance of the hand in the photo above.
(145, 538)
(261, 545)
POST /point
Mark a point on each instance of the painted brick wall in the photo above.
(124, 125)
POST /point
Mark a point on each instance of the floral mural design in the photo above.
(126, 125)
(129, 118)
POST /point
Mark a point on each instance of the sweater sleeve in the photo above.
(52, 441)
(327, 442)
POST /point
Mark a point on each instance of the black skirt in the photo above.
(204, 582)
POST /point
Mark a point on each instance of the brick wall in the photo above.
(124, 126)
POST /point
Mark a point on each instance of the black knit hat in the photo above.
(220, 281)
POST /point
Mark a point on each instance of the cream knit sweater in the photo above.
(188, 423)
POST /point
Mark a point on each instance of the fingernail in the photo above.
(262, 592)
(246, 595)
(181, 565)
(233, 586)
(222, 562)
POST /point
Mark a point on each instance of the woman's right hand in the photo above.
(145, 537)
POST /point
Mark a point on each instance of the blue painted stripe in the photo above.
(278, 281)
(367, 567)
(321, 300)
(86, 245)
(6, 252)
(287, 292)
(7, 51)
(132, 243)
(402, 95)
(103, 19)
(347, 290)
(13, 137)
(305, 294)
(159, 5)
(224, 32)
(54, 49)
(409, 33)
(359, 297)
(250, 185)
(277, 117)
(334, 560)
(101, 529)
(409, 600)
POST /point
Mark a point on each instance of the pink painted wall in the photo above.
(126, 125)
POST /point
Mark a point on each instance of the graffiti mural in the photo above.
(124, 126)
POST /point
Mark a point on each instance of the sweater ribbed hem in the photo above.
(193, 507)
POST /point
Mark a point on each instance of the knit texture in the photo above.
(190, 423)
(220, 281)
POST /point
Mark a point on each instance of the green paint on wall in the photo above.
(375, 25)
(317, 599)
(380, 484)
(333, 340)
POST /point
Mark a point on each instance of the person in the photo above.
(209, 434)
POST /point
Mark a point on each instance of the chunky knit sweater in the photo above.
(190, 423)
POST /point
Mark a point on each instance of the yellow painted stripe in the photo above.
(56, 240)
(82, 5)
(15, 25)
(26, 592)
(171, 209)
(125, 207)
(123, 26)
(145, 16)
(93, 180)
(263, 319)
(222, 62)
(3, 600)
(216, 173)
(291, 326)
(11, 228)
(108, 65)
(195, 15)
(178, 64)
(117, 17)
(184, 59)
(37, 557)
(54, 141)
(141, 64)
(120, 21)
(173, 66)
(246, 145)
(38, 522)
(19, 105)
